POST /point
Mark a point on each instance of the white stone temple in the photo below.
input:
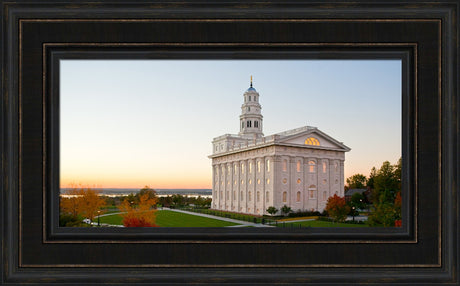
(300, 168)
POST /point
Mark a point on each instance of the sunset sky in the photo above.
(131, 123)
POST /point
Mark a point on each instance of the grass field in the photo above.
(167, 218)
(317, 223)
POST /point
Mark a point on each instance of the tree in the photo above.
(91, 203)
(370, 181)
(141, 215)
(386, 184)
(337, 208)
(285, 209)
(146, 190)
(83, 201)
(357, 181)
(386, 195)
(178, 200)
(272, 210)
(358, 201)
(384, 214)
(165, 201)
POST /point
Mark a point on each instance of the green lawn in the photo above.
(111, 219)
(318, 223)
(166, 218)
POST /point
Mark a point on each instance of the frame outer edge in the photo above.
(11, 252)
(455, 44)
(2, 144)
(451, 132)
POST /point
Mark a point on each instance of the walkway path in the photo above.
(241, 223)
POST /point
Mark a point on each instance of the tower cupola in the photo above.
(251, 117)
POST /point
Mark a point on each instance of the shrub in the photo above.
(69, 220)
(137, 222)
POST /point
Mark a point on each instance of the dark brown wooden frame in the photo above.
(36, 35)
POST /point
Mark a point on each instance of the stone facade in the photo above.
(300, 168)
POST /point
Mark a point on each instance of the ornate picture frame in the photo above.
(37, 35)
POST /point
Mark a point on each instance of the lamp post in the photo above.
(99, 218)
(353, 212)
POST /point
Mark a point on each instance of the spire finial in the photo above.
(251, 80)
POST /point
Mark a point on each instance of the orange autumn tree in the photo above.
(83, 201)
(337, 208)
(142, 215)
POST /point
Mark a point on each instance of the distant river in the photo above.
(120, 192)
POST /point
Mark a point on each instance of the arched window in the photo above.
(298, 166)
(250, 167)
(249, 98)
(284, 197)
(242, 168)
(312, 166)
(267, 198)
(312, 191)
(324, 195)
(234, 195)
(268, 181)
(312, 141)
(298, 197)
(256, 123)
(299, 181)
(241, 196)
(324, 167)
(234, 168)
(249, 196)
(284, 165)
(258, 166)
(336, 166)
(258, 196)
(242, 124)
(268, 165)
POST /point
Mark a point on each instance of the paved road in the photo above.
(358, 218)
(241, 223)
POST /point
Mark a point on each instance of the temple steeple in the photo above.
(251, 117)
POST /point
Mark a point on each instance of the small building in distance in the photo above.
(350, 192)
(300, 168)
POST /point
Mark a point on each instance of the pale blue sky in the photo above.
(130, 123)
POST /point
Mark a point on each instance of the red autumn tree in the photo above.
(337, 208)
(141, 215)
